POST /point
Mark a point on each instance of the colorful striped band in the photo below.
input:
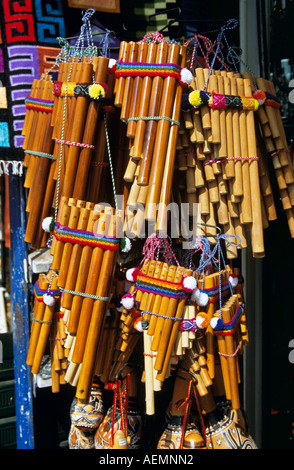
(146, 283)
(82, 237)
(38, 104)
(213, 293)
(40, 292)
(266, 98)
(126, 69)
(229, 328)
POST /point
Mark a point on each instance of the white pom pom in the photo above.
(233, 279)
(201, 321)
(213, 322)
(47, 224)
(138, 324)
(111, 63)
(126, 245)
(186, 76)
(128, 301)
(131, 274)
(49, 299)
(189, 284)
(200, 297)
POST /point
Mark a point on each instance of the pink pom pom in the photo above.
(189, 284)
(132, 274)
(128, 301)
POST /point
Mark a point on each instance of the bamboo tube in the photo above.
(136, 93)
(145, 101)
(238, 181)
(97, 318)
(91, 122)
(120, 82)
(29, 116)
(246, 199)
(160, 303)
(78, 219)
(231, 360)
(78, 270)
(167, 177)
(161, 141)
(64, 220)
(82, 307)
(205, 112)
(157, 97)
(256, 228)
(44, 330)
(76, 135)
(39, 309)
(214, 113)
(128, 83)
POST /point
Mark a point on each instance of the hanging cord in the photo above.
(110, 163)
(230, 24)
(233, 58)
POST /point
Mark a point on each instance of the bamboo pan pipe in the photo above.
(71, 252)
(63, 127)
(167, 178)
(78, 269)
(79, 177)
(168, 337)
(69, 218)
(143, 102)
(128, 83)
(161, 141)
(97, 318)
(76, 135)
(256, 227)
(151, 127)
(81, 309)
(44, 330)
(39, 309)
(136, 92)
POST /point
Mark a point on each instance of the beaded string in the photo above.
(82, 294)
(151, 118)
(40, 154)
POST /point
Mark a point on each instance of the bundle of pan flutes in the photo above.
(214, 155)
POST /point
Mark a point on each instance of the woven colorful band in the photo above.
(138, 69)
(93, 90)
(230, 327)
(188, 325)
(82, 237)
(38, 104)
(157, 286)
(213, 293)
(75, 144)
(219, 101)
(40, 292)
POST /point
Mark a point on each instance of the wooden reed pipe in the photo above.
(144, 103)
(256, 228)
(128, 83)
(77, 271)
(76, 135)
(231, 361)
(120, 82)
(97, 318)
(57, 247)
(71, 257)
(152, 125)
(45, 330)
(136, 92)
(166, 187)
(84, 160)
(161, 141)
(82, 307)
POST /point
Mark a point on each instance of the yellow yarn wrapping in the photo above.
(194, 98)
(96, 91)
(68, 88)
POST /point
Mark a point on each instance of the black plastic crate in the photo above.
(8, 433)
(6, 356)
(7, 402)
